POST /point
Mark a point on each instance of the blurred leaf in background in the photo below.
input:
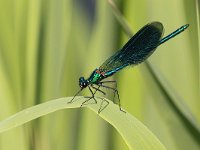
(45, 46)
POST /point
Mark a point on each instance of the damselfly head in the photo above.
(82, 82)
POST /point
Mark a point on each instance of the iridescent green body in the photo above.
(98, 75)
(95, 77)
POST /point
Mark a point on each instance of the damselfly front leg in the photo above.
(93, 93)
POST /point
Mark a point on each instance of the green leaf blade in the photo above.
(136, 135)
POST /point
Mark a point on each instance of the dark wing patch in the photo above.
(137, 49)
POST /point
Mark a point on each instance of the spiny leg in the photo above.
(101, 109)
(90, 97)
(97, 89)
(115, 91)
(113, 81)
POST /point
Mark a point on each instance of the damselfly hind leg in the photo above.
(115, 91)
(101, 106)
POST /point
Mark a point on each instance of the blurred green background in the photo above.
(46, 45)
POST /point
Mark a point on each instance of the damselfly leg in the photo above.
(115, 91)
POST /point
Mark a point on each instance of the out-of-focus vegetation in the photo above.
(45, 46)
